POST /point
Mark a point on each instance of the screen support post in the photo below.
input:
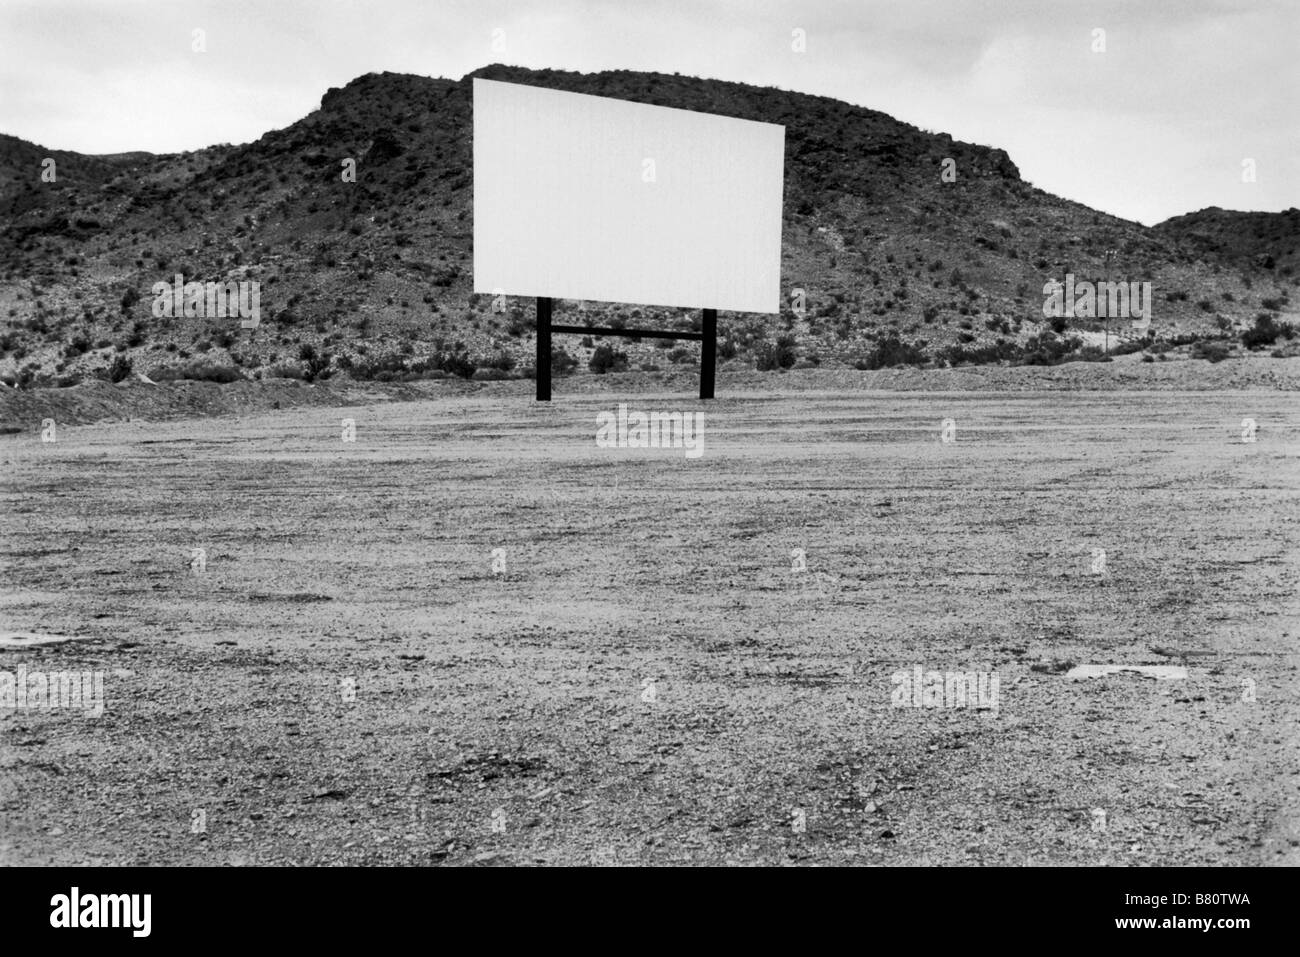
(708, 339)
(708, 353)
(543, 349)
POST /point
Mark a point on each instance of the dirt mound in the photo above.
(97, 401)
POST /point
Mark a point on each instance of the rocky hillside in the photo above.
(1270, 241)
(373, 277)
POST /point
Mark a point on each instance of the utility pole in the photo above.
(1105, 325)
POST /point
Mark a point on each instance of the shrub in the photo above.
(286, 370)
(777, 355)
(1265, 332)
(519, 324)
(562, 363)
(501, 362)
(1210, 351)
(980, 355)
(78, 346)
(892, 351)
(457, 363)
(317, 364)
(1047, 349)
(197, 371)
(607, 359)
(119, 368)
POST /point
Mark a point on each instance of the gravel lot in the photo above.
(670, 659)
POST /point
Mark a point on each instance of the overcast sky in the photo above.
(1156, 125)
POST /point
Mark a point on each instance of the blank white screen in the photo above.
(562, 207)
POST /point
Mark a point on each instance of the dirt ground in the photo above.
(645, 673)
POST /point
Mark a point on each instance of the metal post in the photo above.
(708, 353)
(543, 349)
(1105, 320)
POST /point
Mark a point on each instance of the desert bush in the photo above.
(286, 370)
(1127, 346)
(979, 355)
(1211, 351)
(519, 323)
(1265, 332)
(1047, 349)
(78, 346)
(607, 359)
(457, 363)
(501, 362)
(775, 355)
(892, 351)
(119, 368)
(198, 371)
(317, 365)
(561, 362)
(1089, 354)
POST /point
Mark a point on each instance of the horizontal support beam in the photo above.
(628, 333)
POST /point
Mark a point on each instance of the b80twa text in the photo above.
(1197, 899)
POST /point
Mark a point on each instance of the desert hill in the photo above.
(373, 278)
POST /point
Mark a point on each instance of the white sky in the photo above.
(1155, 126)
